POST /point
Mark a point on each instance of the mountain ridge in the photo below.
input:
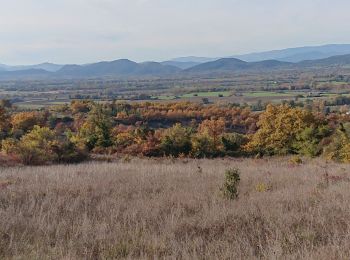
(295, 55)
(128, 68)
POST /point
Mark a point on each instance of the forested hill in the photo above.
(127, 68)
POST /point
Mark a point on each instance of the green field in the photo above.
(207, 94)
(196, 94)
(167, 97)
(269, 94)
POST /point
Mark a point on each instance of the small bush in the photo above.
(296, 160)
(262, 187)
(9, 145)
(126, 159)
(230, 187)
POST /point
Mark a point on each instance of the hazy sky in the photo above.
(82, 31)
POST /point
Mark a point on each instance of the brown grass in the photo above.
(156, 209)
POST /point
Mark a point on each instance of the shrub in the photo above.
(9, 146)
(203, 146)
(230, 187)
(41, 146)
(81, 106)
(296, 160)
(67, 151)
(233, 142)
(339, 147)
(4, 123)
(262, 187)
(308, 141)
(36, 147)
(176, 141)
(126, 159)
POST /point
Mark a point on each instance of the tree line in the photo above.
(70, 133)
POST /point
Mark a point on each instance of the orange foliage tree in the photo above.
(25, 121)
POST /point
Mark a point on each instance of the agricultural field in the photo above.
(258, 94)
(276, 86)
(175, 209)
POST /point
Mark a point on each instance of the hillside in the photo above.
(298, 54)
(288, 55)
(173, 209)
(341, 60)
(127, 68)
(181, 64)
(232, 64)
(194, 59)
(25, 74)
(122, 67)
(50, 67)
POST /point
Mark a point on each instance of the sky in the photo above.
(84, 31)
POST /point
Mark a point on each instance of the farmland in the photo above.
(247, 88)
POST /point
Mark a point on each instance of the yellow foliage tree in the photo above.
(278, 127)
(25, 121)
(339, 147)
(36, 147)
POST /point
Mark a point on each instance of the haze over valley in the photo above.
(294, 58)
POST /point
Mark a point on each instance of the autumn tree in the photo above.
(36, 147)
(67, 151)
(4, 123)
(233, 143)
(338, 148)
(207, 142)
(176, 140)
(278, 128)
(213, 128)
(24, 122)
(81, 106)
(308, 142)
(96, 130)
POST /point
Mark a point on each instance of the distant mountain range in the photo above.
(122, 67)
(43, 66)
(287, 55)
(233, 64)
(294, 58)
(180, 64)
(298, 54)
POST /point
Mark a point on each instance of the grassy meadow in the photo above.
(173, 209)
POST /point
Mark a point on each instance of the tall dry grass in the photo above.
(154, 209)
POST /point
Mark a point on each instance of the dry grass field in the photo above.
(173, 209)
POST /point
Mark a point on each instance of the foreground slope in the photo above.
(156, 209)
